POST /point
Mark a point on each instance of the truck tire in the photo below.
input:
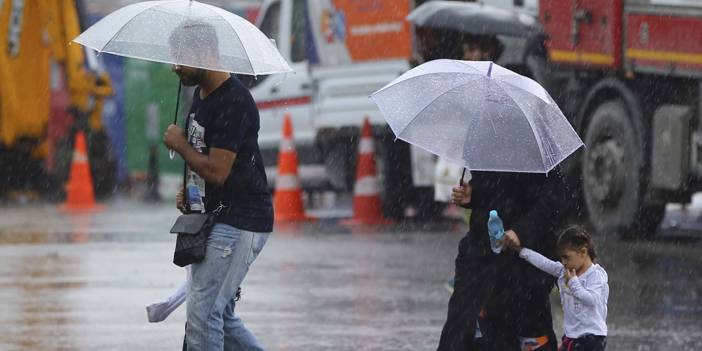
(614, 178)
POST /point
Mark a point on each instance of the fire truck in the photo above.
(629, 75)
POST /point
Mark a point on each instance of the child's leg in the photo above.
(158, 312)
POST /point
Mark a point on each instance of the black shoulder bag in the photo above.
(193, 229)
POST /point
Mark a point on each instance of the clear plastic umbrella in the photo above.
(187, 33)
(478, 114)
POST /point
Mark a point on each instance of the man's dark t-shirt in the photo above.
(228, 119)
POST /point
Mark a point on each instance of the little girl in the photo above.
(583, 289)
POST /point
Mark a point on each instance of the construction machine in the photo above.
(50, 90)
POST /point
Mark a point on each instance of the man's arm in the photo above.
(214, 168)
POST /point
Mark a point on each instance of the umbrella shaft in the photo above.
(175, 117)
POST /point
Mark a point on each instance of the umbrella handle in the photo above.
(171, 153)
(460, 183)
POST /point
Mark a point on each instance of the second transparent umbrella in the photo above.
(478, 114)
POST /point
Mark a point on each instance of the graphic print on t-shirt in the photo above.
(196, 185)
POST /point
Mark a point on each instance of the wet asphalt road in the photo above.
(81, 283)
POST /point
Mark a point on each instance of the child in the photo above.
(583, 289)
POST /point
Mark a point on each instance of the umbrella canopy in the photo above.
(478, 114)
(474, 18)
(187, 33)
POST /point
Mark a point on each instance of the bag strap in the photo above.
(185, 165)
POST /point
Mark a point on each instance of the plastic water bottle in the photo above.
(496, 231)
(194, 198)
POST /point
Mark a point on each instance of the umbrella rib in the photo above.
(473, 68)
(430, 102)
(216, 11)
(391, 84)
(533, 130)
(128, 22)
(527, 91)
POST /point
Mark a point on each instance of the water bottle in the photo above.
(194, 198)
(496, 231)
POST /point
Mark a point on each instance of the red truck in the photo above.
(629, 74)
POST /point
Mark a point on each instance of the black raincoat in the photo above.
(513, 294)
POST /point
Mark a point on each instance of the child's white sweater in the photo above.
(584, 298)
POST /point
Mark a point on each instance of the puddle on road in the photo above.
(36, 306)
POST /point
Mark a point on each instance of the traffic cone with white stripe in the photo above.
(367, 206)
(287, 200)
(80, 196)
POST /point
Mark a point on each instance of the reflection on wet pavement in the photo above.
(81, 283)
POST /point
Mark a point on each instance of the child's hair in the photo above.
(575, 238)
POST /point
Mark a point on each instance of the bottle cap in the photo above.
(493, 214)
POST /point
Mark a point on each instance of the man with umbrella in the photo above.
(225, 165)
(205, 44)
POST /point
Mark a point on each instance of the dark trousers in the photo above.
(586, 342)
(512, 308)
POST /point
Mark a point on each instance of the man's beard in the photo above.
(192, 79)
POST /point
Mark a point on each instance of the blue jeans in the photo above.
(212, 324)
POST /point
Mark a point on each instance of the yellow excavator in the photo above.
(47, 92)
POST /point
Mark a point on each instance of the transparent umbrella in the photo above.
(478, 114)
(187, 33)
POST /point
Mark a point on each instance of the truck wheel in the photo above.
(613, 174)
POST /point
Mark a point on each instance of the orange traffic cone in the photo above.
(79, 189)
(287, 200)
(367, 206)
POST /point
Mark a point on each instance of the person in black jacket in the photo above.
(498, 302)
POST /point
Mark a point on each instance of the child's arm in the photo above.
(592, 295)
(539, 261)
